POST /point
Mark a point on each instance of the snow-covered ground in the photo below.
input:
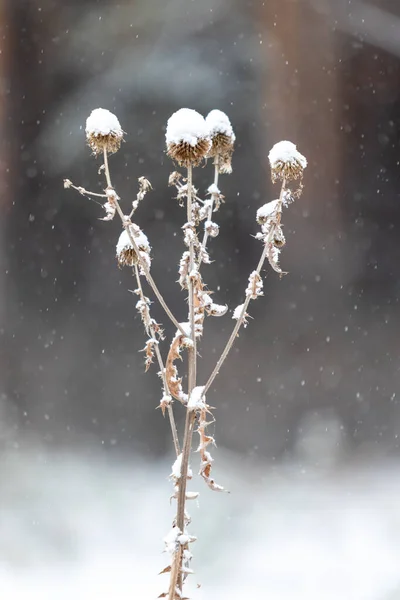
(85, 526)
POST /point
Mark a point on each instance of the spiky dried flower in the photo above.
(126, 253)
(286, 162)
(187, 137)
(103, 131)
(222, 138)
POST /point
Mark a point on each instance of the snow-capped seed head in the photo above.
(222, 138)
(286, 161)
(126, 253)
(103, 131)
(187, 137)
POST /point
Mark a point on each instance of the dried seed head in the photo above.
(126, 253)
(267, 211)
(286, 162)
(103, 131)
(187, 137)
(222, 138)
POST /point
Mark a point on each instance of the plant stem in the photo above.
(176, 573)
(143, 264)
(246, 303)
(162, 369)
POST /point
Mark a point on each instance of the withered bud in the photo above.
(222, 138)
(187, 138)
(278, 239)
(103, 131)
(211, 228)
(174, 178)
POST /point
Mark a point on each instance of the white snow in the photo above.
(255, 286)
(286, 152)
(266, 210)
(237, 312)
(124, 243)
(171, 540)
(177, 469)
(103, 122)
(213, 189)
(197, 401)
(186, 328)
(218, 122)
(186, 125)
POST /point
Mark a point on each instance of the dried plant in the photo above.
(190, 139)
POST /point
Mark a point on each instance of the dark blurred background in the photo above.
(323, 349)
(307, 412)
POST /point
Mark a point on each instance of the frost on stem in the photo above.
(187, 137)
(197, 401)
(222, 138)
(176, 472)
(126, 253)
(103, 131)
(255, 287)
(237, 313)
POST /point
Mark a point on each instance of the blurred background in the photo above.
(307, 419)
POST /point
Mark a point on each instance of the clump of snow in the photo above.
(237, 312)
(103, 122)
(286, 152)
(267, 210)
(197, 401)
(124, 243)
(213, 189)
(171, 540)
(186, 125)
(218, 122)
(177, 469)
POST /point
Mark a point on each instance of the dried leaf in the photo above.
(174, 382)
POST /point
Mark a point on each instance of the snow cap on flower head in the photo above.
(222, 138)
(103, 131)
(286, 161)
(187, 137)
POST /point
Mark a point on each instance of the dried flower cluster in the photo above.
(189, 140)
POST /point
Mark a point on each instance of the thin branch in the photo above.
(143, 264)
(162, 369)
(246, 303)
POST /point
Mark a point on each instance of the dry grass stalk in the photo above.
(190, 138)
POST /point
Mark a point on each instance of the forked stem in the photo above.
(246, 303)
